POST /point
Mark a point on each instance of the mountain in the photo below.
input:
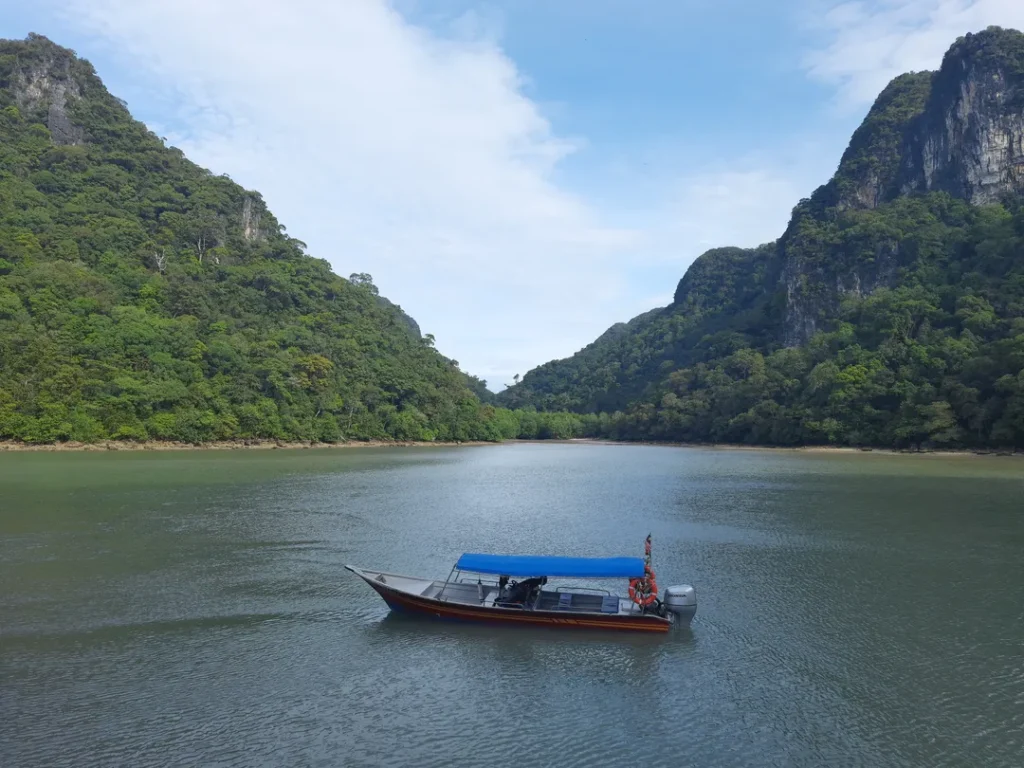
(890, 311)
(143, 297)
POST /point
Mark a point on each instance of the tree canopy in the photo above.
(889, 313)
(143, 297)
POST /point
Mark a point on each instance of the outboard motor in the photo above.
(681, 601)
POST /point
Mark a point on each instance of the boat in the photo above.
(521, 594)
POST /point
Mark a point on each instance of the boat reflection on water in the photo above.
(400, 626)
(599, 654)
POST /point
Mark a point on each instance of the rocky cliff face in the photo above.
(959, 130)
(969, 141)
(44, 85)
(814, 289)
(49, 84)
(126, 268)
(868, 172)
(252, 212)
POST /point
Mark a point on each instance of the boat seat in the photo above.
(610, 604)
(564, 601)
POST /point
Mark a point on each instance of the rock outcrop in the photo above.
(145, 298)
(45, 85)
(969, 140)
(959, 130)
(252, 211)
(868, 172)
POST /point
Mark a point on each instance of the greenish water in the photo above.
(192, 609)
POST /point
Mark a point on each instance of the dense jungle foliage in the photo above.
(881, 317)
(938, 360)
(142, 297)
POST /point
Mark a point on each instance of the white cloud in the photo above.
(740, 207)
(387, 149)
(416, 156)
(873, 42)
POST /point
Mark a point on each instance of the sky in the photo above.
(518, 176)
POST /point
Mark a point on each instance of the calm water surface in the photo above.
(192, 609)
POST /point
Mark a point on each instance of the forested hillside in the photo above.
(890, 312)
(143, 297)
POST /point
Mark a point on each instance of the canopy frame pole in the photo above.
(440, 595)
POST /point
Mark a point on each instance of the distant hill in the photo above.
(890, 312)
(143, 297)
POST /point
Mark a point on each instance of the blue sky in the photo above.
(517, 175)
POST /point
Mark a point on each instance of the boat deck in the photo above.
(563, 605)
(465, 593)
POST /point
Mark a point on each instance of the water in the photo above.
(192, 609)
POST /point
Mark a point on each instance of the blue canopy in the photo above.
(537, 565)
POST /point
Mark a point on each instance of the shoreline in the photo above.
(837, 449)
(267, 445)
(222, 445)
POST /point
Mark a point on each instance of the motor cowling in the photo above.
(681, 601)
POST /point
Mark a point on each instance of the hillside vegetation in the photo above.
(889, 313)
(143, 297)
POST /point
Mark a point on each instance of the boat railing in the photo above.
(458, 576)
(470, 580)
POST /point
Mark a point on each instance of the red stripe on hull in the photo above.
(443, 610)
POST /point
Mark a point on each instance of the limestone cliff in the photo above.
(969, 141)
(959, 130)
(900, 212)
(49, 84)
(42, 85)
(143, 297)
(868, 173)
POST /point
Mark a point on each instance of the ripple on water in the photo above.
(850, 613)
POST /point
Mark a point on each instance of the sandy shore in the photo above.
(800, 448)
(227, 445)
(220, 445)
